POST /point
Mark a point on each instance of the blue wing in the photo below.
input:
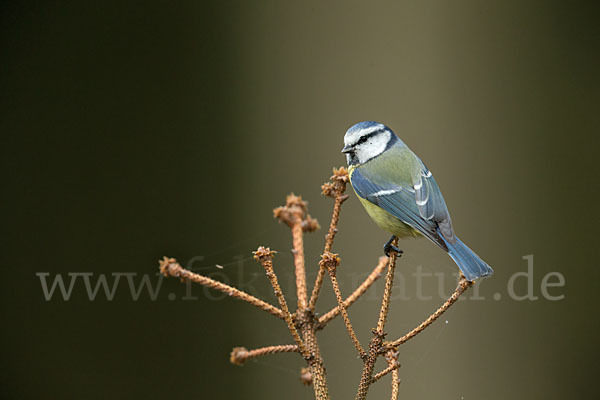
(431, 204)
(414, 205)
(420, 204)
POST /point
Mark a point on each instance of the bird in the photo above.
(401, 196)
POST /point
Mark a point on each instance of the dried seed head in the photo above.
(327, 189)
(329, 260)
(285, 214)
(296, 201)
(277, 212)
(295, 212)
(340, 175)
(169, 267)
(238, 355)
(263, 253)
(337, 183)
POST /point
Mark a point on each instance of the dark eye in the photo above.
(362, 140)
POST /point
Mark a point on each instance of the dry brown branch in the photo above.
(375, 346)
(170, 267)
(383, 373)
(298, 243)
(303, 325)
(392, 359)
(331, 261)
(295, 216)
(264, 255)
(387, 293)
(463, 284)
(239, 355)
(359, 291)
(335, 189)
(395, 384)
(315, 363)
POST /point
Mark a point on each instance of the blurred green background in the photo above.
(133, 130)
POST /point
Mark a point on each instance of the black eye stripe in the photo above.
(368, 136)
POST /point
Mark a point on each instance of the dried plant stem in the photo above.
(315, 363)
(392, 359)
(366, 377)
(463, 284)
(298, 243)
(335, 217)
(375, 346)
(387, 293)
(331, 261)
(265, 257)
(304, 324)
(316, 289)
(335, 189)
(395, 384)
(294, 214)
(170, 267)
(317, 370)
(239, 355)
(383, 373)
(359, 291)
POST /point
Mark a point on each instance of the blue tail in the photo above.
(469, 263)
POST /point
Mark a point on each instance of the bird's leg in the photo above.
(389, 246)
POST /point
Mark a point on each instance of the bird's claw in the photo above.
(388, 247)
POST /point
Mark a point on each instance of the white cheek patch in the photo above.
(372, 147)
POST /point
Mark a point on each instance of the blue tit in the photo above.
(400, 194)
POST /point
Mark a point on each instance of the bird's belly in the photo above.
(387, 221)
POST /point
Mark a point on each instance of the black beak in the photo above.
(347, 149)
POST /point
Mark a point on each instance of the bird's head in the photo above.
(367, 140)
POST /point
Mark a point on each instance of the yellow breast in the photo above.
(384, 219)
